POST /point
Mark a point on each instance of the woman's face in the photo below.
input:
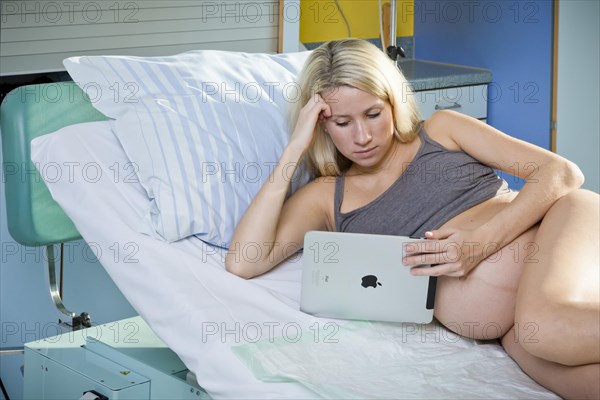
(361, 125)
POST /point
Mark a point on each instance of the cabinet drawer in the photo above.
(469, 100)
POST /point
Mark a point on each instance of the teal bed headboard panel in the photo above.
(34, 218)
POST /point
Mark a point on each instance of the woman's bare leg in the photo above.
(578, 382)
(558, 315)
(558, 300)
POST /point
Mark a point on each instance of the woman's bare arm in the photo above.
(272, 229)
(548, 177)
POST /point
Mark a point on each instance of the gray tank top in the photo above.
(436, 186)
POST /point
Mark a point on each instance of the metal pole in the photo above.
(393, 23)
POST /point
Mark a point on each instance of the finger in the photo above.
(440, 234)
(449, 269)
(321, 111)
(423, 259)
(434, 270)
(326, 111)
(424, 271)
(317, 101)
(425, 246)
(448, 255)
(317, 98)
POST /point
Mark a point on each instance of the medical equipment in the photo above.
(120, 360)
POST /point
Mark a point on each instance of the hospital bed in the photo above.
(201, 332)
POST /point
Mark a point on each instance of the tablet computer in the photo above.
(361, 276)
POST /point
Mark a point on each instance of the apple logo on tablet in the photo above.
(370, 281)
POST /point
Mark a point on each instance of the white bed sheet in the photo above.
(202, 312)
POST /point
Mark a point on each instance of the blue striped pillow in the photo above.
(204, 130)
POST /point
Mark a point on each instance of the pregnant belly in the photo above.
(481, 305)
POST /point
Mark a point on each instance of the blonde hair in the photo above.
(361, 65)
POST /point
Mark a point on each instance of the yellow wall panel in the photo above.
(320, 20)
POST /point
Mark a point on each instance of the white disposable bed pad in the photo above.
(247, 338)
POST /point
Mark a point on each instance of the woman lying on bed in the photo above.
(521, 266)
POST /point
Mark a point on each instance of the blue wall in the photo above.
(511, 38)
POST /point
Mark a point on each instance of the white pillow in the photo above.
(204, 128)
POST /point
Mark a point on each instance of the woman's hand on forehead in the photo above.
(315, 111)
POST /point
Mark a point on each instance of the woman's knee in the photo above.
(535, 327)
(580, 200)
(544, 328)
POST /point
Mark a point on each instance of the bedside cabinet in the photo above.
(470, 100)
(441, 86)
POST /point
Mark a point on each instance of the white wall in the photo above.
(578, 94)
(35, 36)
